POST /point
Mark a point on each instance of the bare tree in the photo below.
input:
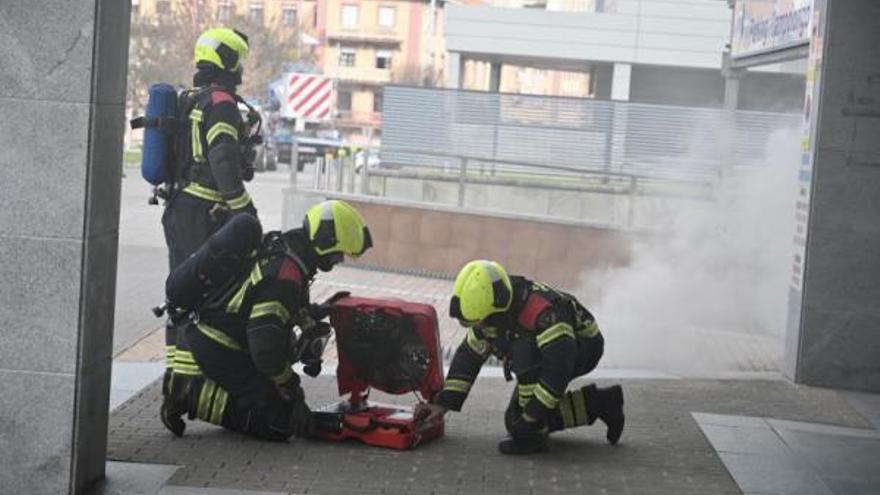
(413, 75)
(161, 50)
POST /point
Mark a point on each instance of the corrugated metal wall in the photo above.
(647, 140)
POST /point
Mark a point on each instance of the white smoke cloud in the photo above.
(707, 293)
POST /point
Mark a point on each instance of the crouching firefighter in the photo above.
(206, 155)
(546, 338)
(232, 365)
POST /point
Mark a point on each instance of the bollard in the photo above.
(462, 182)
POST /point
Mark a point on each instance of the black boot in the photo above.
(171, 419)
(607, 405)
(509, 446)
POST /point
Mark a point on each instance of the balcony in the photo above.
(374, 37)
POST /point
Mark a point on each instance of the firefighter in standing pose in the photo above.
(214, 155)
(233, 362)
(546, 338)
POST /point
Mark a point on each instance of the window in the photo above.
(349, 16)
(343, 101)
(377, 101)
(347, 57)
(163, 7)
(225, 9)
(256, 12)
(288, 15)
(386, 16)
(383, 59)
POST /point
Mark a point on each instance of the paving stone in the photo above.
(663, 449)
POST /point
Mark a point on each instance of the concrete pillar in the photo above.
(62, 91)
(603, 77)
(494, 77)
(620, 82)
(454, 70)
(727, 136)
(834, 324)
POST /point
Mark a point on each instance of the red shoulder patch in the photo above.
(219, 96)
(290, 271)
(535, 304)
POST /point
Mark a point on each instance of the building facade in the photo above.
(645, 51)
(366, 44)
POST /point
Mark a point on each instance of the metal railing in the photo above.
(350, 175)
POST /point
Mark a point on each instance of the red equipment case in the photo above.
(391, 345)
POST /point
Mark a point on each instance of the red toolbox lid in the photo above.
(388, 344)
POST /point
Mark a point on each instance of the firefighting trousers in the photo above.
(222, 386)
(572, 408)
(187, 223)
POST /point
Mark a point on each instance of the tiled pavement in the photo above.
(663, 450)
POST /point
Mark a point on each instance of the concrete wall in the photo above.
(837, 343)
(677, 86)
(442, 240)
(62, 92)
(684, 33)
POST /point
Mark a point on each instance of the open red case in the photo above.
(391, 345)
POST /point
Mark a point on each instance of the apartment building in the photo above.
(366, 44)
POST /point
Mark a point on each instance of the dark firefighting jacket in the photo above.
(257, 315)
(555, 320)
(216, 132)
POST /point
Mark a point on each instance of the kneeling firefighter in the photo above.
(232, 366)
(546, 338)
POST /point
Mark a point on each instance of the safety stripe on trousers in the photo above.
(457, 385)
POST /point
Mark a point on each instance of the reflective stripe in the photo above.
(239, 202)
(203, 192)
(256, 274)
(282, 377)
(270, 308)
(525, 392)
(457, 385)
(169, 355)
(219, 406)
(218, 336)
(588, 331)
(196, 134)
(489, 332)
(477, 344)
(545, 396)
(557, 331)
(566, 411)
(185, 364)
(236, 301)
(221, 128)
(203, 410)
(580, 406)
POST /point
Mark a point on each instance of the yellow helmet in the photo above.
(334, 226)
(481, 288)
(226, 48)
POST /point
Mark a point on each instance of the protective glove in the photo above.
(320, 311)
(313, 369)
(248, 157)
(524, 428)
